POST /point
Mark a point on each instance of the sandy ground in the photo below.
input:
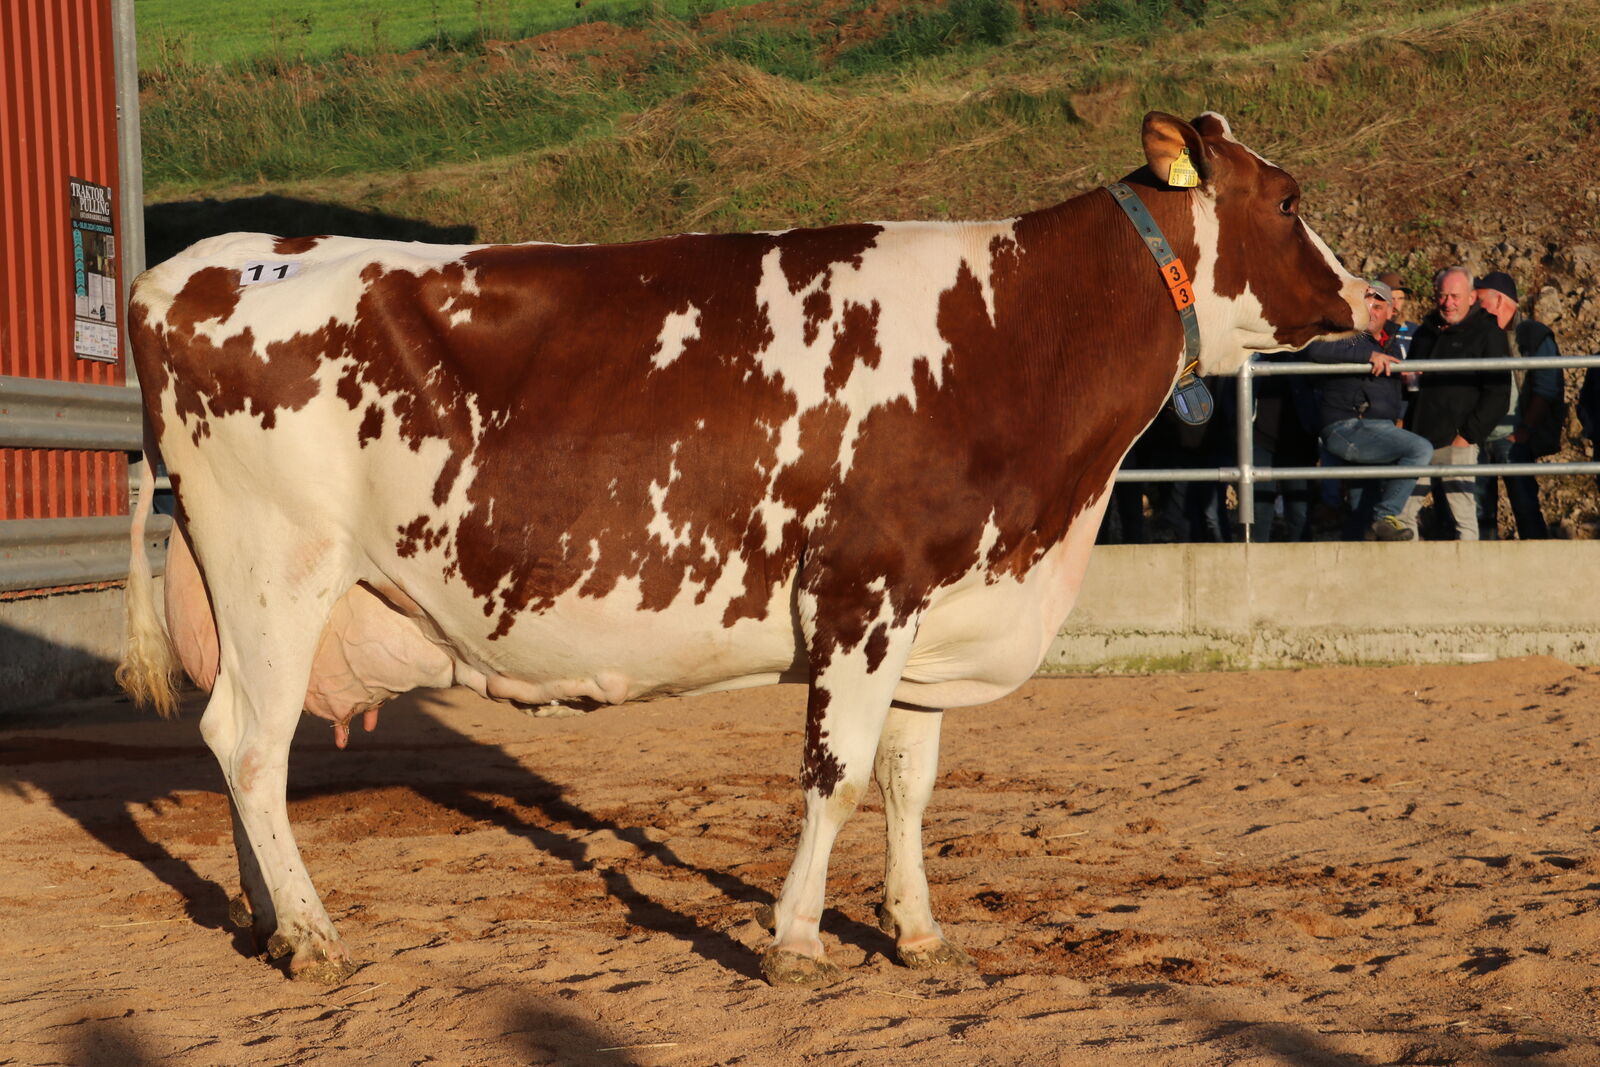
(1315, 867)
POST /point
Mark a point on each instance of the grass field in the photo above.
(1425, 134)
(844, 109)
(195, 32)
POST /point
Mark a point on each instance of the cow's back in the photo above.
(599, 470)
(498, 448)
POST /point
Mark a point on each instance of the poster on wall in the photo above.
(94, 259)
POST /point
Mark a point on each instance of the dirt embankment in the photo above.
(1531, 219)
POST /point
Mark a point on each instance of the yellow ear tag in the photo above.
(1182, 175)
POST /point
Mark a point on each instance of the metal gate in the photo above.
(71, 215)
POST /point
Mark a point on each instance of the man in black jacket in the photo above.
(1457, 412)
(1532, 427)
(1360, 413)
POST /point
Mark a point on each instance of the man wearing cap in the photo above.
(1531, 426)
(1456, 412)
(1360, 413)
(1404, 329)
(1400, 323)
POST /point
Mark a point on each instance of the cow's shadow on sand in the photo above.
(101, 762)
(140, 763)
(98, 761)
(472, 778)
(560, 842)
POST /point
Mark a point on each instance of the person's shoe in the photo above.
(1390, 528)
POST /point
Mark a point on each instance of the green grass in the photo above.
(205, 33)
(362, 116)
(789, 53)
(270, 118)
(950, 111)
(919, 32)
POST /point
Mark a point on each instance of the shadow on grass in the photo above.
(174, 226)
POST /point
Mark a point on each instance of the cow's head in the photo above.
(1263, 281)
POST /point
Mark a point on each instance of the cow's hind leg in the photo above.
(268, 632)
(250, 735)
(908, 762)
(853, 677)
(252, 908)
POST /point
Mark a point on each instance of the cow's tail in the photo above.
(149, 668)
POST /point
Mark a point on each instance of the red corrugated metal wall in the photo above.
(58, 119)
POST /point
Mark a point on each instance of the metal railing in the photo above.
(1245, 474)
(52, 553)
(35, 413)
(55, 553)
(35, 553)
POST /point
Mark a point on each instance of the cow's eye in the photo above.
(1290, 205)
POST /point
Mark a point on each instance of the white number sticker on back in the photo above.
(255, 273)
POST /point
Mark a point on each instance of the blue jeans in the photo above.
(1296, 502)
(1521, 490)
(1373, 442)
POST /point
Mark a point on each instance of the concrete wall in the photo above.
(1145, 607)
(1155, 607)
(58, 647)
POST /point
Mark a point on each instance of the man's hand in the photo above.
(1459, 442)
(1382, 363)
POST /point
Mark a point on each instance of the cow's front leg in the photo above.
(852, 682)
(908, 762)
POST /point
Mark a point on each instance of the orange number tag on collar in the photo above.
(1177, 280)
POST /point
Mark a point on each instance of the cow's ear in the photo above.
(1174, 150)
(1212, 125)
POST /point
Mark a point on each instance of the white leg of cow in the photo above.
(850, 695)
(253, 749)
(907, 764)
(252, 908)
(268, 632)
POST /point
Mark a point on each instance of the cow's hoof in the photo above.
(937, 955)
(279, 946)
(314, 959)
(323, 971)
(784, 968)
(243, 919)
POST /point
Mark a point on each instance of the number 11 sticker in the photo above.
(256, 273)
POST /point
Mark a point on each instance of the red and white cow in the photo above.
(873, 457)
